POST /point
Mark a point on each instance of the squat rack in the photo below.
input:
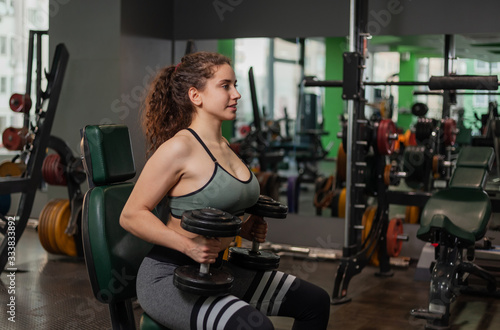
(353, 254)
(33, 153)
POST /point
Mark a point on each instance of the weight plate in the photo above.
(341, 203)
(189, 279)
(8, 168)
(261, 260)
(385, 145)
(394, 229)
(211, 222)
(436, 165)
(449, 132)
(419, 109)
(51, 226)
(65, 243)
(412, 214)
(387, 174)
(43, 226)
(53, 170)
(20, 102)
(14, 138)
(367, 222)
(268, 207)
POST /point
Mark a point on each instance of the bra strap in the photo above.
(202, 144)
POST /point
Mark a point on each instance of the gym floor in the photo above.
(53, 292)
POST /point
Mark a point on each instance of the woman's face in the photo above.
(220, 97)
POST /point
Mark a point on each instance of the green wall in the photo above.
(334, 104)
(407, 72)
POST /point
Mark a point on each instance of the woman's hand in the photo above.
(203, 250)
(254, 228)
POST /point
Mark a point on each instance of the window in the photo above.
(481, 66)
(480, 101)
(12, 47)
(21, 17)
(3, 85)
(277, 72)
(3, 45)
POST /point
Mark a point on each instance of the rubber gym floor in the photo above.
(53, 292)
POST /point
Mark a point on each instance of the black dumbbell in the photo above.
(254, 258)
(208, 222)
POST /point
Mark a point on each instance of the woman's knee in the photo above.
(248, 318)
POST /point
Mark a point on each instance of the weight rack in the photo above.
(34, 152)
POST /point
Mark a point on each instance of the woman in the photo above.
(192, 166)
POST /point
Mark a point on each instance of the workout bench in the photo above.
(454, 219)
(112, 255)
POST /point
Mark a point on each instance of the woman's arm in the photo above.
(162, 172)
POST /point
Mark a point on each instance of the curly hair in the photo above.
(167, 108)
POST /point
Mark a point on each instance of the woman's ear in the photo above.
(194, 96)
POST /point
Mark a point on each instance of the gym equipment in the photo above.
(356, 140)
(395, 237)
(112, 255)
(20, 102)
(419, 109)
(386, 137)
(33, 152)
(254, 258)
(11, 169)
(454, 219)
(208, 222)
(52, 222)
(412, 214)
(15, 139)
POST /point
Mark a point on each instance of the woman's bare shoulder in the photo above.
(179, 146)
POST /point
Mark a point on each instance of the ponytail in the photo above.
(167, 108)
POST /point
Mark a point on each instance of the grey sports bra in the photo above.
(223, 191)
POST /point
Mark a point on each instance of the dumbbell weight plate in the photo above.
(261, 260)
(189, 279)
(268, 207)
(211, 222)
(208, 222)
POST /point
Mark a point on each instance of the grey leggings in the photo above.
(255, 295)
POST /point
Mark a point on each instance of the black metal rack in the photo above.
(34, 152)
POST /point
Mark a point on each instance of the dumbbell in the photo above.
(254, 258)
(208, 222)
